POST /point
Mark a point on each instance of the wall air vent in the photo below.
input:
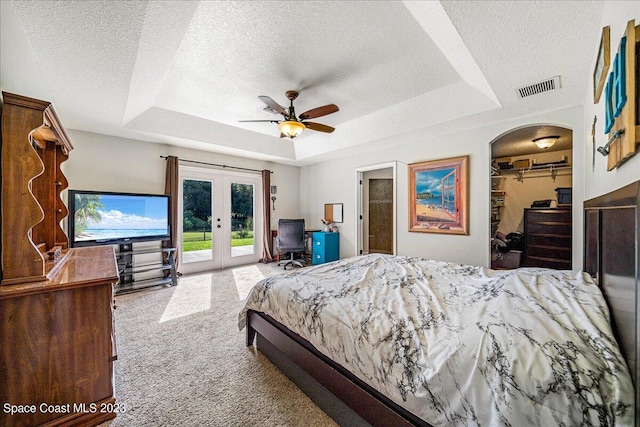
(544, 86)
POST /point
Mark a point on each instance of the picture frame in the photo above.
(601, 68)
(439, 196)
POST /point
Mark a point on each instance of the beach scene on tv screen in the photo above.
(105, 217)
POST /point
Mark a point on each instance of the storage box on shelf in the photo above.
(536, 169)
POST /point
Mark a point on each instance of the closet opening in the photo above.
(531, 189)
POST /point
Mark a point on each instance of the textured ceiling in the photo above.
(186, 72)
(520, 141)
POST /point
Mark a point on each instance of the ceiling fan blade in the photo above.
(269, 110)
(273, 105)
(318, 127)
(266, 121)
(319, 112)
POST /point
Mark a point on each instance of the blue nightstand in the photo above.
(326, 247)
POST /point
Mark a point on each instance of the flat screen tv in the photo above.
(106, 218)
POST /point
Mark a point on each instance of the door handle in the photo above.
(218, 226)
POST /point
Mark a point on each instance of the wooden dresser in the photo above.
(547, 238)
(57, 341)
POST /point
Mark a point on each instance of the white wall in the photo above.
(107, 163)
(598, 180)
(334, 181)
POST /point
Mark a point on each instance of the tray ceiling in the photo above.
(185, 72)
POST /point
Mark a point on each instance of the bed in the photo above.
(408, 341)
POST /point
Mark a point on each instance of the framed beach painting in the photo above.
(438, 196)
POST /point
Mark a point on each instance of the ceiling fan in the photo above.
(291, 126)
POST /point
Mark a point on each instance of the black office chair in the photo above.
(291, 239)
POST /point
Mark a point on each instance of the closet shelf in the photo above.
(537, 171)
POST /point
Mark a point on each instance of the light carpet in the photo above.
(183, 362)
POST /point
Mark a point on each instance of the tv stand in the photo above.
(132, 262)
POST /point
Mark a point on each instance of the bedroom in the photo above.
(311, 178)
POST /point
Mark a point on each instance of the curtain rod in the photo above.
(215, 164)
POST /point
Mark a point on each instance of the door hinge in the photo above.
(360, 216)
(360, 182)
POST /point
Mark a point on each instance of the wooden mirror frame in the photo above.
(333, 212)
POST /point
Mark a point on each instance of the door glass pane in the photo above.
(242, 219)
(196, 221)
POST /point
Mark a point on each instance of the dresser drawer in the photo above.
(318, 258)
(546, 215)
(548, 228)
(318, 240)
(545, 262)
(545, 251)
(547, 221)
(549, 240)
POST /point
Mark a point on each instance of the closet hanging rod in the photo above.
(215, 164)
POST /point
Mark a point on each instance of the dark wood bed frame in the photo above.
(611, 247)
(611, 256)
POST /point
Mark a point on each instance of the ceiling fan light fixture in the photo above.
(293, 125)
(546, 141)
(291, 128)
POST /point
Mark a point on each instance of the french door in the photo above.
(220, 219)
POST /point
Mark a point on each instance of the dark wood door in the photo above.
(380, 216)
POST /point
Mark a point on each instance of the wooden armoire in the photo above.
(57, 339)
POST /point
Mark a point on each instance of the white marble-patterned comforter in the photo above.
(461, 345)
